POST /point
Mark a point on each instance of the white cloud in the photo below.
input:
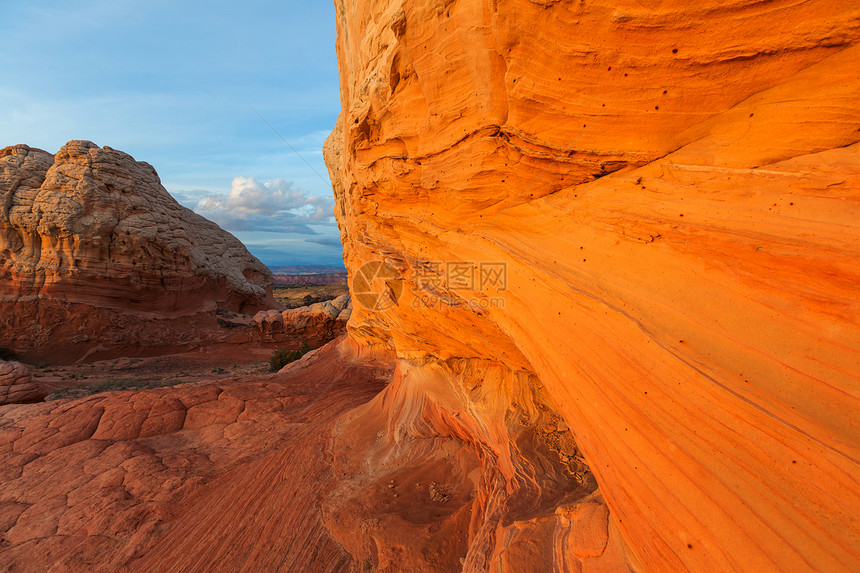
(274, 206)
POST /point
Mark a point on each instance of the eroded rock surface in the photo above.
(201, 477)
(313, 325)
(16, 384)
(96, 258)
(672, 193)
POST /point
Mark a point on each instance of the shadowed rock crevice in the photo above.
(438, 474)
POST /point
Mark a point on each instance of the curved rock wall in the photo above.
(671, 192)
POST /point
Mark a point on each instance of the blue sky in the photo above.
(179, 84)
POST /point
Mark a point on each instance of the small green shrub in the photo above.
(6, 354)
(283, 356)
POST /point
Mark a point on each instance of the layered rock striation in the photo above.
(670, 194)
(96, 258)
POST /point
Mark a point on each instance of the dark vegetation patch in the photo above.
(283, 356)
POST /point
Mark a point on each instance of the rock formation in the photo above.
(604, 264)
(636, 221)
(201, 477)
(17, 386)
(315, 324)
(97, 259)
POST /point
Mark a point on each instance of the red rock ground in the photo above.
(210, 476)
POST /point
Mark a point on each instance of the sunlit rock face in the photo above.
(97, 258)
(666, 379)
(313, 325)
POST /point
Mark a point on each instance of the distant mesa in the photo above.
(310, 279)
(98, 260)
(299, 275)
(308, 269)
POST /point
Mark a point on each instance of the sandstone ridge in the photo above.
(314, 324)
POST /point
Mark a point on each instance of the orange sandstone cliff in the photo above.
(614, 247)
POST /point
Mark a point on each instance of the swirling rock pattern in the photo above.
(673, 190)
(97, 259)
